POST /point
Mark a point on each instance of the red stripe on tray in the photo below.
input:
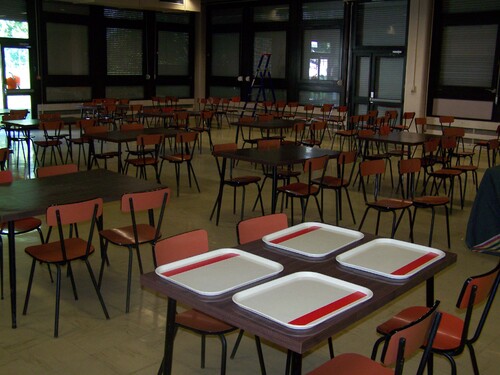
(199, 264)
(327, 309)
(295, 234)
(414, 264)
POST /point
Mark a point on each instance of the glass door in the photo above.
(16, 78)
(378, 81)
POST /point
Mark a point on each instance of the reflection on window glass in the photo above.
(173, 53)
(124, 51)
(225, 54)
(17, 71)
(322, 51)
(13, 29)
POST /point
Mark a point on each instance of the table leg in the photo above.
(296, 368)
(429, 290)
(91, 152)
(28, 153)
(237, 134)
(275, 187)
(221, 187)
(120, 165)
(169, 337)
(12, 272)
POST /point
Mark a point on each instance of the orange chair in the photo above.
(348, 134)
(67, 249)
(81, 140)
(420, 124)
(181, 120)
(453, 333)
(309, 112)
(54, 170)
(290, 111)
(407, 121)
(376, 168)
(185, 143)
(234, 182)
(177, 248)
(52, 140)
(317, 131)
(20, 226)
(407, 169)
(487, 144)
(304, 190)
(101, 153)
(398, 345)
(252, 230)
(4, 157)
(204, 126)
(446, 121)
(248, 138)
(298, 131)
(132, 236)
(340, 182)
(148, 148)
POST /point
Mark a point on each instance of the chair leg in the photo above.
(129, 279)
(73, 284)
(447, 225)
(58, 299)
(1, 266)
(28, 290)
(330, 348)
(260, 355)
(363, 219)
(473, 358)
(237, 343)
(223, 354)
(99, 295)
(350, 205)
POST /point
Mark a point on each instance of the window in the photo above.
(272, 13)
(124, 51)
(173, 53)
(225, 54)
(13, 22)
(67, 49)
(273, 42)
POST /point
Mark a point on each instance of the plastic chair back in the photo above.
(131, 126)
(255, 228)
(181, 246)
(54, 170)
(73, 213)
(147, 200)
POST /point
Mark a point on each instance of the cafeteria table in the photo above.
(27, 125)
(25, 198)
(119, 137)
(284, 156)
(267, 126)
(224, 306)
(404, 139)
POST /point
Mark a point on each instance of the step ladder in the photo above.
(261, 82)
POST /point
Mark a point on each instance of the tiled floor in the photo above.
(133, 343)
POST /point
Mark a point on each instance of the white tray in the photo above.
(219, 271)
(303, 299)
(312, 239)
(390, 258)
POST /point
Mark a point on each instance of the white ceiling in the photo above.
(156, 5)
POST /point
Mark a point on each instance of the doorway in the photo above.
(378, 81)
(16, 78)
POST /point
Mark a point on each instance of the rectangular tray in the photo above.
(390, 258)
(219, 271)
(312, 239)
(303, 299)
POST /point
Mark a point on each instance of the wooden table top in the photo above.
(285, 155)
(222, 307)
(24, 198)
(118, 136)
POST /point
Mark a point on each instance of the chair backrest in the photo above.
(186, 139)
(446, 120)
(74, 213)
(475, 290)
(131, 126)
(54, 170)
(150, 139)
(267, 144)
(408, 168)
(99, 129)
(11, 117)
(408, 118)
(420, 123)
(146, 201)
(181, 246)
(246, 119)
(223, 147)
(345, 158)
(405, 341)
(19, 112)
(369, 168)
(314, 167)
(51, 125)
(257, 227)
(6, 177)
(84, 123)
(4, 156)
(49, 116)
(265, 117)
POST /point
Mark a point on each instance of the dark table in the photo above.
(403, 138)
(119, 137)
(283, 156)
(27, 125)
(25, 198)
(267, 126)
(222, 307)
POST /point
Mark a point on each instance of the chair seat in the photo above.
(465, 168)
(430, 200)
(351, 363)
(177, 158)
(331, 182)
(142, 161)
(196, 320)
(51, 252)
(445, 172)
(124, 236)
(390, 204)
(298, 189)
(48, 143)
(347, 133)
(448, 334)
(22, 225)
(242, 180)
